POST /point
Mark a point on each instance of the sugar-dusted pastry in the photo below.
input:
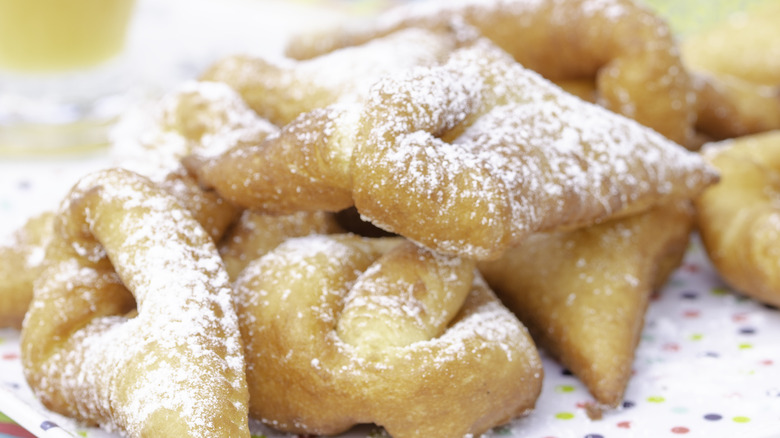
(22, 258)
(280, 90)
(132, 325)
(200, 117)
(622, 46)
(254, 234)
(739, 218)
(583, 293)
(468, 158)
(342, 330)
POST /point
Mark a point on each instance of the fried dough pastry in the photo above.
(281, 90)
(21, 262)
(583, 294)
(254, 234)
(738, 67)
(200, 117)
(467, 158)
(739, 219)
(341, 330)
(745, 46)
(730, 108)
(174, 366)
(627, 50)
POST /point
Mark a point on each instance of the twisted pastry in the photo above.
(583, 294)
(468, 158)
(22, 259)
(625, 48)
(738, 218)
(341, 330)
(254, 234)
(174, 366)
(279, 91)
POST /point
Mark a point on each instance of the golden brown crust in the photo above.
(341, 330)
(738, 218)
(730, 107)
(254, 234)
(628, 51)
(173, 368)
(583, 294)
(528, 158)
(467, 157)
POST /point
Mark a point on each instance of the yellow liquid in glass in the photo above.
(53, 35)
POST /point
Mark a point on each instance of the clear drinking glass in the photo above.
(62, 79)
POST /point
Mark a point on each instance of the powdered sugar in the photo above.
(520, 145)
(198, 117)
(181, 352)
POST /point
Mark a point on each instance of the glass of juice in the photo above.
(61, 75)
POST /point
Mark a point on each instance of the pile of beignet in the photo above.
(384, 232)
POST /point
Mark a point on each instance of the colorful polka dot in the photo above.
(745, 346)
(719, 291)
(741, 419)
(671, 346)
(564, 415)
(628, 404)
(680, 430)
(656, 399)
(747, 331)
(696, 337)
(565, 389)
(713, 417)
(10, 356)
(689, 295)
(46, 425)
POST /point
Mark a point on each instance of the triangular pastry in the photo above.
(583, 294)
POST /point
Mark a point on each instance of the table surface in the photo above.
(707, 364)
